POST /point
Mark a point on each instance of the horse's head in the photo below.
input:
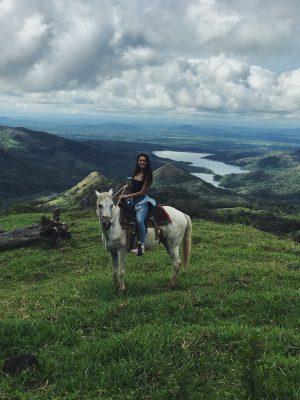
(105, 208)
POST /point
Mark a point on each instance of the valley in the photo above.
(38, 168)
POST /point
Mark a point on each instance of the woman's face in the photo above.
(142, 162)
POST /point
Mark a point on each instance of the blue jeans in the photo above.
(140, 219)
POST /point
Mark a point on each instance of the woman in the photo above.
(141, 181)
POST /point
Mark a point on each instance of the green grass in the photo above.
(228, 331)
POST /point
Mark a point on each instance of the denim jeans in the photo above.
(140, 216)
(140, 219)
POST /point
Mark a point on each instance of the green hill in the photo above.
(172, 185)
(274, 180)
(82, 195)
(170, 174)
(228, 331)
(34, 163)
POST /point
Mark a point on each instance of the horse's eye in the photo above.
(100, 205)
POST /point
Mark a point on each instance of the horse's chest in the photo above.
(112, 242)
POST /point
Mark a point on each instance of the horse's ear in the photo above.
(97, 194)
(110, 192)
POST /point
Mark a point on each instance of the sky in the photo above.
(198, 59)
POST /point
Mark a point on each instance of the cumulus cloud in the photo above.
(167, 55)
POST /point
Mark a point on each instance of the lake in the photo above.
(199, 160)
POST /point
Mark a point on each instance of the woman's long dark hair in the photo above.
(147, 171)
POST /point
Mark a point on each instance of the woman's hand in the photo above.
(125, 196)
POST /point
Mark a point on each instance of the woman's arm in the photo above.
(143, 191)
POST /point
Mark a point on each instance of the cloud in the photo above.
(217, 84)
(167, 55)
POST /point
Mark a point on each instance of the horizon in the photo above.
(90, 120)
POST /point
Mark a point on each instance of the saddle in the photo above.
(155, 218)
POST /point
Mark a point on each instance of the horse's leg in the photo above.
(114, 258)
(121, 272)
(175, 257)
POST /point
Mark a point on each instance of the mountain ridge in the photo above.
(35, 163)
(81, 195)
(273, 178)
(169, 173)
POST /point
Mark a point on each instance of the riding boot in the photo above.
(140, 250)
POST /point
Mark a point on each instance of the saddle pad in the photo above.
(161, 216)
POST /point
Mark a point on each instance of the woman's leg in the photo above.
(140, 219)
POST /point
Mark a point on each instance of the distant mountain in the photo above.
(170, 174)
(171, 185)
(280, 160)
(82, 195)
(35, 163)
(274, 179)
(176, 187)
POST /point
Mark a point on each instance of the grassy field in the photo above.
(228, 331)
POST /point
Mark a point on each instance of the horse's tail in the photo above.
(187, 241)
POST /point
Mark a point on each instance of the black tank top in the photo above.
(136, 185)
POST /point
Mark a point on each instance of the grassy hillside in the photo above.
(274, 180)
(228, 331)
(34, 163)
(172, 185)
(80, 196)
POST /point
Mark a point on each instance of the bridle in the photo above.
(106, 221)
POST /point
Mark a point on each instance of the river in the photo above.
(199, 160)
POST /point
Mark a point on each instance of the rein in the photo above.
(124, 188)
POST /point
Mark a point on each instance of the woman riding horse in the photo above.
(140, 183)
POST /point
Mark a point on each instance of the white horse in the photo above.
(114, 237)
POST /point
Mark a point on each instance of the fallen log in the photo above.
(49, 230)
(20, 237)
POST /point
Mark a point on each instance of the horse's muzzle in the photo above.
(105, 222)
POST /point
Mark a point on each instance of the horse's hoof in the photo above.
(122, 288)
(171, 285)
